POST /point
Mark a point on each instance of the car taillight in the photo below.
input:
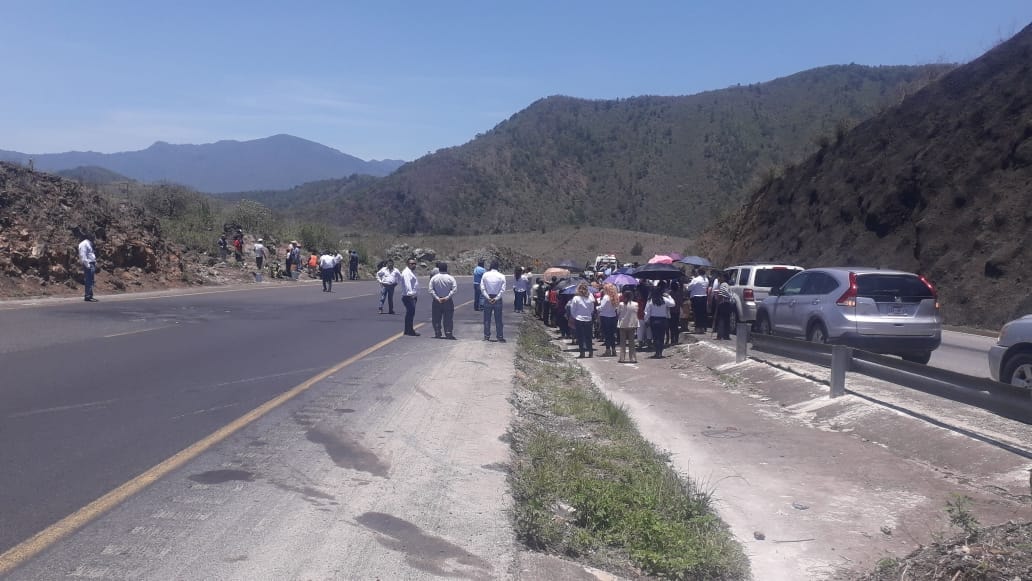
(748, 294)
(848, 298)
(931, 287)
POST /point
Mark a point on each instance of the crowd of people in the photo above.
(647, 315)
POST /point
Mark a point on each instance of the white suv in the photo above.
(751, 283)
(1010, 360)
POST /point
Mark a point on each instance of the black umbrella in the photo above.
(658, 272)
(567, 263)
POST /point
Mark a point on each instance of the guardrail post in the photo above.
(742, 342)
(840, 359)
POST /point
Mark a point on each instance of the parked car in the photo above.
(604, 261)
(1010, 360)
(884, 311)
(751, 283)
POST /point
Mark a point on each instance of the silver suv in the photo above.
(751, 283)
(884, 311)
(1010, 360)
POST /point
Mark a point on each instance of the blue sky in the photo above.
(389, 79)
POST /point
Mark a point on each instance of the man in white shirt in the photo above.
(326, 271)
(409, 292)
(697, 291)
(259, 254)
(442, 310)
(89, 266)
(388, 277)
(492, 287)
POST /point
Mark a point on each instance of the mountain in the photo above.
(669, 165)
(91, 174)
(939, 184)
(277, 162)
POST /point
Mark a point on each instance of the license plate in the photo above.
(898, 310)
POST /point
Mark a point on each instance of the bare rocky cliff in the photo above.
(42, 219)
(941, 185)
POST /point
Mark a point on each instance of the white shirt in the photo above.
(627, 315)
(606, 308)
(387, 275)
(492, 283)
(259, 250)
(337, 259)
(582, 307)
(326, 262)
(442, 286)
(409, 283)
(652, 310)
(697, 287)
(86, 255)
(522, 284)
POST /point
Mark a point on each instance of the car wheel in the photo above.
(763, 324)
(922, 358)
(817, 334)
(1018, 370)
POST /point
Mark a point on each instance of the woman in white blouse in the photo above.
(627, 322)
(657, 313)
(607, 317)
(582, 310)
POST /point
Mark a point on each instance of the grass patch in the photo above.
(588, 486)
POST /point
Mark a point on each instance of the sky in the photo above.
(387, 79)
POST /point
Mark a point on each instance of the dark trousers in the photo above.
(562, 322)
(699, 309)
(353, 271)
(723, 324)
(87, 276)
(477, 298)
(390, 297)
(584, 337)
(659, 330)
(520, 301)
(337, 276)
(259, 262)
(410, 313)
(327, 279)
(608, 325)
(442, 317)
(674, 326)
(493, 310)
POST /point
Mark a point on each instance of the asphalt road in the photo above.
(963, 353)
(92, 395)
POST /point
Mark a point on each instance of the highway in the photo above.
(963, 353)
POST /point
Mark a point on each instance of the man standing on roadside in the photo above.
(697, 292)
(492, 286)
(223, 247)
(478, 274)
(409, 294)
(442, 310)
(259, 254)
(89, 266)
(353, 265)
(326, 263)
(338, 265)
(388, 276)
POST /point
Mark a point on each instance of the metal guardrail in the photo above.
(1000, 398)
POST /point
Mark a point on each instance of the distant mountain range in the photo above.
(272, 163)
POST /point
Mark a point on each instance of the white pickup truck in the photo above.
(604, 261)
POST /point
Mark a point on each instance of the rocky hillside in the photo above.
(668, 165)
(941, 184)
(42, 217)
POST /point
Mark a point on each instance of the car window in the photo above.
(794, 286)
(743, 276)
(820, 283)
(732, 275)
(773, 277)
(886, 287)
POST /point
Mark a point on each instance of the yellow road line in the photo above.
(75, 521)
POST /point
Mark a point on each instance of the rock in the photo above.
(759, 536)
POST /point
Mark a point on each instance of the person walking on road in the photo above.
(88, 259)
(326, 263)
(492, 287)
(442, 310)
(388, 276)
(723, 307)
(478, 275)
(520, 286)
(409, 294)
